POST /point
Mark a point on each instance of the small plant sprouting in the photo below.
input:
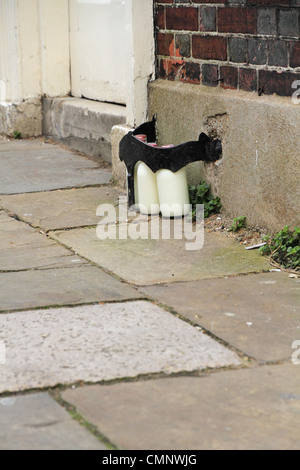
(238, 223)
(17, 135)
(201, 194)
(284, 248)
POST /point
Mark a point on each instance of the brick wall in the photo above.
(252, 45)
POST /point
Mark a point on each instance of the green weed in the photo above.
(284, 248)
(201, 194)
(238, 223)
(17, 135)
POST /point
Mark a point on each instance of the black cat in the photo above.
(132, 151)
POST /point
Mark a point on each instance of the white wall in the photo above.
(54, 44)
(34, 58)
(9, 53)
(112, 52)
(27, 28)
(111, 44)
(98, 49)
(141, 60)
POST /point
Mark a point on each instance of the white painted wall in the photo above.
(112, 52)
(29, 58)
(99, 49)
(54, 46)
(34, 57)
(9, 52)
(141, 60)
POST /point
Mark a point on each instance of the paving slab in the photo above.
(149, 261)
(259, 313)
(33, 166)
(59, 287)
(37, 422)
(61, 209)
(245, 409)
(101, 342)
(23, 247)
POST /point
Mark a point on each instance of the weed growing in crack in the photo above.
(201, 194)
(238, 223)
(284, 248)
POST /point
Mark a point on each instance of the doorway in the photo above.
(98, 54)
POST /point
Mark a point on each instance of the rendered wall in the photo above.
(232, 69)
(259, 173)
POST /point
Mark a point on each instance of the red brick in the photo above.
(182, 18)
(163, 1)
(162, 70)
(160, 17)
(209, 47)
(209, 1)
(207, 18)
(173, 68)
(237, 20)
(295, 54)
(182, 45)
(248, 79)
(210, 75)
(229, 76)
(190, 73)
(268, 2)
(271, 82)
(165, 44)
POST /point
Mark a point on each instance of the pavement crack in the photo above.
(76, 416)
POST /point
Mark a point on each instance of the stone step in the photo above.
(84, 125)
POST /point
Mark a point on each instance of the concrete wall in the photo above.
(220, 66)
(259, 174)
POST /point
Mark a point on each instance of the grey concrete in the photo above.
(249, 409)
(84, 125)
(118, 167)
(61, 209)
(24, 117)
(37, 422)
(23, 247)
(145, 262)
(258, 314)
(258, 176)
(33, 166)
(101, 342)
(57, 287)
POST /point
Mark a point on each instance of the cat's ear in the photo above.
(203, 138)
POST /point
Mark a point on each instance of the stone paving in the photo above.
(133, 344)
(45, 167)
